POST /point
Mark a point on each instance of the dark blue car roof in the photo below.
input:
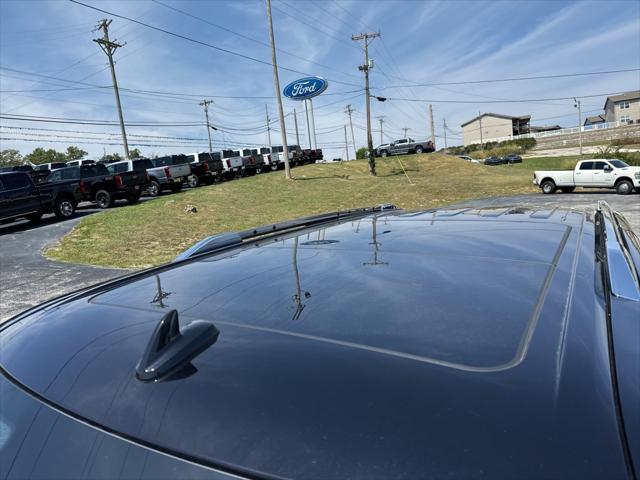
(465, 343)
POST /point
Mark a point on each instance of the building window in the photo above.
(625, 118)
(624, 105)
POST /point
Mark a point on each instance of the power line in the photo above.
(516, 79)
(157, 93)
(198, 42)
(260, 42)
(526, 100)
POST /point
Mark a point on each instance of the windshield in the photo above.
(618, 163)
(142, 165)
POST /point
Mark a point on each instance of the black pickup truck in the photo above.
(21, 197)
(98, 185)
(206, 168)
(38, 175)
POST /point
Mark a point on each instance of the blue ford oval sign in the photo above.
(305, 88)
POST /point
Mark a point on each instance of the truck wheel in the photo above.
(193, 181)
(384, 154)
(133, 198)
(419, 149)
(176, 187)
(103, 199)
(153, 189)
(64, 208)
(567, 189)
(34, 217)
(548, 187)
(624, 187)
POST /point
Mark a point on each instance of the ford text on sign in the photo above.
(305, 88)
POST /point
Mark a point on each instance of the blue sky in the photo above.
(421, 42)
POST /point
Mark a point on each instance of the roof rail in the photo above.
(224, 240)
(624, 278)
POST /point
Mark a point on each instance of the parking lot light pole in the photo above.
(276, 81)
(577, 105)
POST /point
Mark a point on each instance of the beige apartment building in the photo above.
(488, 126)
(623, 108)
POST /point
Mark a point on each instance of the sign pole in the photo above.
(306, 109)
(313, 125)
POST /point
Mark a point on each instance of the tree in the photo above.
(40, 155)
(112, 157)
(361, 153)
(10, 157)
(135, 153)
(75, 153)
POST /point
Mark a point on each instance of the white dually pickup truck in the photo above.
(590, 174)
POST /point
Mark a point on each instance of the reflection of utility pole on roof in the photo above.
(297, 297)
(160, 295)
(376, 245)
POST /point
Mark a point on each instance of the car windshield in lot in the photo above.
(142, 165)
(618, 163)
(68, 173)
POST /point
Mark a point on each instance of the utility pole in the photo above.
(295, 121)
(481, 142)
(368, 65)
(381, 119)
(433, 127)
(346, 144)
(205, 104)
(266, 111)
(444, 129)
(109, 47)
(276, 82)
(405, 129)
(579, 107)
(349, 111)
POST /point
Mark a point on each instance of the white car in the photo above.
(469, 159)
(596, 173)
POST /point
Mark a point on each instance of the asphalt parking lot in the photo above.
(27, 278)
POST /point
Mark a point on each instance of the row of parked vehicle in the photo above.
(31, 191)
(507, 159)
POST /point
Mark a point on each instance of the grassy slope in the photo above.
(155, 231)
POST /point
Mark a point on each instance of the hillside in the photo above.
(155, 231)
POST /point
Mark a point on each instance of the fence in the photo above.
(562, 131)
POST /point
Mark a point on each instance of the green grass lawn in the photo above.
(155, 231)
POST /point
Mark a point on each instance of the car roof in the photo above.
(445, 342)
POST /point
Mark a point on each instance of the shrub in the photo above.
(361, 153)
(613, 151)
(520, 145)
(625, 141)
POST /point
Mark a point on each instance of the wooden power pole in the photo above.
(346, 143)
(109, 47)
(444, 129)
(295, 122)
(276, 84)
(349, 111)
(433, 127)
(205, 104)
(266, 111)
(368, 65)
